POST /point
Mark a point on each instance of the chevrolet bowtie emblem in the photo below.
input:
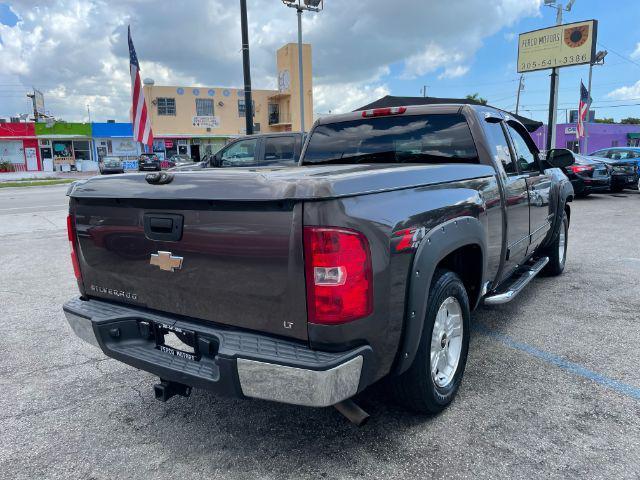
(166, 261)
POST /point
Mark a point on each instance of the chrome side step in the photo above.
(520, 281)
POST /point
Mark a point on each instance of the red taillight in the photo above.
(71, 232)
(580, 168)
(382, 112)
(338, 273)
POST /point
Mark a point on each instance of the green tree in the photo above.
(477, 98)
(631, 121)
(604, 120)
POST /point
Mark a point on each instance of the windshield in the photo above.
(434, 138)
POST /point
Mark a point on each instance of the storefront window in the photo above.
(82, 149)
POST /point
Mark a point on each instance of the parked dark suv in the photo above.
(149, 161)
(624, 166)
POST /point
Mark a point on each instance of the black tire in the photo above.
(617, 189)
(415, 388)
(556, 262)
(583, 194)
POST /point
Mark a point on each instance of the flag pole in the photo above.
(586, 123)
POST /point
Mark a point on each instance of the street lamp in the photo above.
(300, 5)
(597, 60)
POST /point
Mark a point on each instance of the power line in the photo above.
(619, 54)
(606, 106)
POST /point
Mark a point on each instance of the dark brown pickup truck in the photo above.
(307, 284)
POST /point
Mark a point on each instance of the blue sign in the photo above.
(226, 92)
(211, 92)
(130, 164)
(180, 91)
(196, 91)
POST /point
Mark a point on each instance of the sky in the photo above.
(75, 52)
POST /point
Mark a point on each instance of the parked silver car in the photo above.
(111, 165)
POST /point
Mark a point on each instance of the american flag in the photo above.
(583, 107)
(141, 122)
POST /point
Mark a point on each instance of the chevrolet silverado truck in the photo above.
(307, 284)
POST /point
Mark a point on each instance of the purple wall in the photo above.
(601, 135)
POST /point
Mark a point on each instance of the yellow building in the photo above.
(199, 120)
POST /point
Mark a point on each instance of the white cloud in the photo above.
(636, 52)
(341, 98)
(432, 58)
(76, 50)
(453, 72)
(626, 93)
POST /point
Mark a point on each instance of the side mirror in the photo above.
(560, 157)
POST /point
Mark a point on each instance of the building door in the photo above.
(195, 153)
(31, 156)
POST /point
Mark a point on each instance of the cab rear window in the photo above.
(432, 138)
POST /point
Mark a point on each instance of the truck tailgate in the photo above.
(235, 263)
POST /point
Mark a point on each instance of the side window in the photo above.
(279, 149)
(499, 146)
(240, 154)
(599, 153)
(525, 158)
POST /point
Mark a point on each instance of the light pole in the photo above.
(246, 69)
(300, 5)
(598, 60)
(555, 77)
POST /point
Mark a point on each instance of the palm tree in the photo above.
(477, 98)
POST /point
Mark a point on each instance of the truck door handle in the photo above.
(166, 227)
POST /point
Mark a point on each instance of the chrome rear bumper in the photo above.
(229, 362)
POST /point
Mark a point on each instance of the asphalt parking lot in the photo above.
(552, 387)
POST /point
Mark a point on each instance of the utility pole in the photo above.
(246, 66)
(423, 90)
(89, 112)
(520, 88)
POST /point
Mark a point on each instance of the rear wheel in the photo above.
(434, 377)
(557, 251)
(617, 188)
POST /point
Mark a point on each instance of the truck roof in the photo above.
(441, 108)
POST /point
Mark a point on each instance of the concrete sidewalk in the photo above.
(13, 176)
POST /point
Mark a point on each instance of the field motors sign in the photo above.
(559, 46)
(206, 121)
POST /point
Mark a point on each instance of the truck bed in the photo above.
(240, 245)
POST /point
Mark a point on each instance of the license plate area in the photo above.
(176, 341)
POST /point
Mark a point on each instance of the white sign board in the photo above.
(38, 100)
(124, 147)
(202, 121)
(559, 46)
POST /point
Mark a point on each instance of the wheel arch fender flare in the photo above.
(439, 242)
